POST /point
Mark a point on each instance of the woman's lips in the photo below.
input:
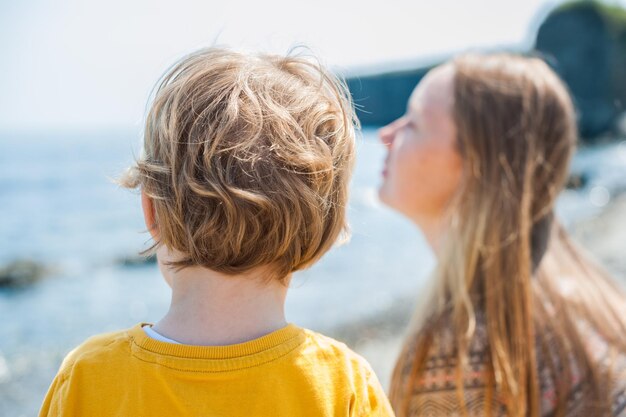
(385, 167)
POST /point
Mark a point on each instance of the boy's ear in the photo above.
(148, 214)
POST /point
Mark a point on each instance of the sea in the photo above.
(60, 207)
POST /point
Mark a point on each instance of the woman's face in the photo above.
(423, 166)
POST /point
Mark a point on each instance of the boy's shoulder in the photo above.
(347, 370)
(328, 349)
(327, 343)
(96, 350)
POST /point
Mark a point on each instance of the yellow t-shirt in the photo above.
(290, 372)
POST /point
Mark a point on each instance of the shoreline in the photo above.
(379, 338)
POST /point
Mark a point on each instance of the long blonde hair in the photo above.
(504, 254)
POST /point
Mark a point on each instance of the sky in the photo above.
(76, 64)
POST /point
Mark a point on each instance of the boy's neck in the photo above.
(209, 308)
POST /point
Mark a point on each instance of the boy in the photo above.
(243, 179)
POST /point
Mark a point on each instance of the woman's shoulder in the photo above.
(442, 356)
(436, 388)
(608, 360)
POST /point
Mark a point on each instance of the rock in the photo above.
(21, 273)
(137, 260)
(577, 180)
(585, 42)
(382, 98)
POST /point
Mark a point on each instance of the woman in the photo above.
(519, 322)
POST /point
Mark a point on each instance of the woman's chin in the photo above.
(396, 204)
(382, 194)
(385, 197)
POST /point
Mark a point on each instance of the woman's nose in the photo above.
(386, 134)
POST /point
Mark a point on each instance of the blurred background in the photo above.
(75, 78)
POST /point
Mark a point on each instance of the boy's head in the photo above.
(247, 160)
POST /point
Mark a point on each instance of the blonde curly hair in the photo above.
(247, 160)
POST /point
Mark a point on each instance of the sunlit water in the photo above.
(59, 207)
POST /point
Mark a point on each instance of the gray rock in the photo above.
(585, 42)
(382, 98)
(137, 260)
(21, 273)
